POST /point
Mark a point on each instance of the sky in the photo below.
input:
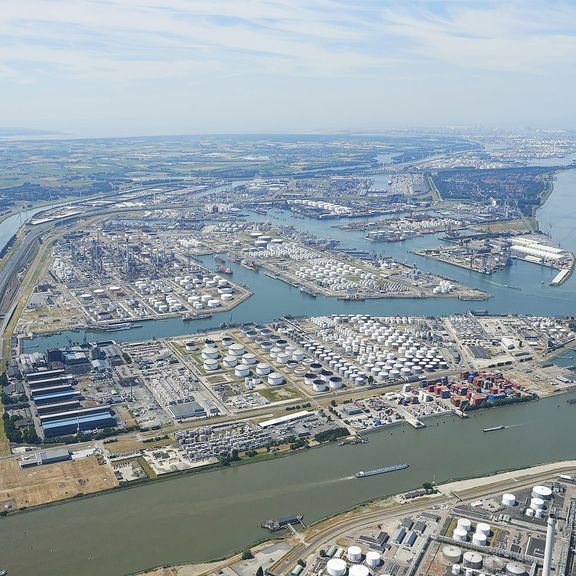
(143, 67)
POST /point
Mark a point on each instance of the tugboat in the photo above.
(494, 428)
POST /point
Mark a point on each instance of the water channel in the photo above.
(203, 516)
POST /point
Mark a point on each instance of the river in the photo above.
(199, 517)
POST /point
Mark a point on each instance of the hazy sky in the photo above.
(122, 67)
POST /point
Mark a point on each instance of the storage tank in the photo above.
(509, 500)
(460, 534)
(230, 361)
(210, 364)
(210, 352)
(336, 567)
(319, 385)
(242, 371)
(355, 554)
(373, 559)
(249, 359)
(262, 369)
(479, 539)
(472, 560)
(537, 504)
(515, 569)
(455, 569)
(452, 554)
(542, 492)
(483, 528)
(236, 349)
(465, 524)
(358, 570)
(275, 379)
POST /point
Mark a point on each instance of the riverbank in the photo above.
(498, 481)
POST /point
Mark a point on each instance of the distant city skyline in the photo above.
(146, 67)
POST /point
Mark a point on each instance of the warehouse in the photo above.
(58, 407)
(42, 457)
(69, 426)
(58, 395)
(284, 419)
(49, 382)
(75, 413)
(42, 375)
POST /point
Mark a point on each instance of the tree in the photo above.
(333, 403)
(259, 572)
(322, 553)
(247, 554)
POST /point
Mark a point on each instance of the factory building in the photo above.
(67, 426)
(74, 413)
(58, 394)
(41, 457)
(50, 382)
(57, 407)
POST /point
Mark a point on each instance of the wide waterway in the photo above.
(204, 516)
(273, 298)
(198, 517)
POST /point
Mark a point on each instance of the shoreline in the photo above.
(457, 485)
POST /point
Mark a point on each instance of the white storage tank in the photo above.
(336, 567)
(515, 569)
(275, 379)
(373, 559)
(230, 361)
(542, 492)
(210, 364)
(354, 554)
(452, 554)
(242, 370)
(459, 534)
(358, 570)
(483, 528)
(263, 369)
(236, 349)
(319, 385)
(479, 539)
(249, 358)
(455, 569)
(210, 352)
(537, 504)
(509, 500)
(465, 524)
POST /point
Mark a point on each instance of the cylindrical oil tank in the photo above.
(358, 570)
(459, 534)
(335, 383)
(373, 559)
(263, 369)
(210, 364)
(249, 359)
(542, 492)
(465, 524)
(355, 554)
(241, 370)
(210, 352)
(536, 503)
(230, 361)
(509, 500)
(479, 539)
(455, 569)
(336, 567)
(483, 528)
(472, 560)
(515, 569)
(494, 564)
(275, 379)
(452, 554)
(236, 349)
(319, 385)
(309, 378)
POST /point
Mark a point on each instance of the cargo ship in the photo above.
(250, 264)
(223, 270)
(305, 290)
(571, 401)
(494, 428)
(384, 470)
(280, 523)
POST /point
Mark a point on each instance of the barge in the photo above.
(384, 470)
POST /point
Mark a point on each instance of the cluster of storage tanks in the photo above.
(463, 532)
(355, 564)
(336, 209)
(444, 287)
(263, 241)
(161, 298)
(470, 563)
(551, 328)
(62, 271)
(539, 501)
(382, 351)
